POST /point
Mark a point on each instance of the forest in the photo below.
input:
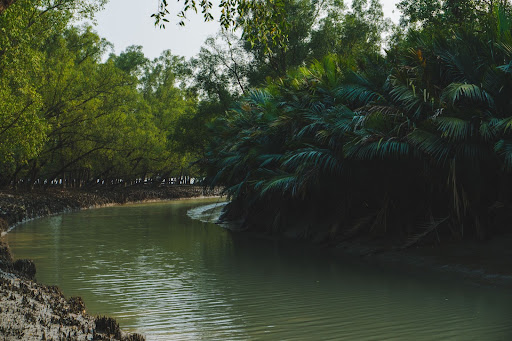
(346, 124)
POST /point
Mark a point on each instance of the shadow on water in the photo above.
(164, 274)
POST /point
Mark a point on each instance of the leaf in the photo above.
(427, 229)
(322, 159)
(430, 144)
(384, 148)
(458, 91)
(282, 183)
(453, 128)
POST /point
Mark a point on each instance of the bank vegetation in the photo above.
(411, 144)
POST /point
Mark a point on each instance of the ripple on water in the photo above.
(207, 213)
(171, 277)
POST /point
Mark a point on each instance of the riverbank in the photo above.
(483, 262)
(448, 262)
(487, 262)
(32, 311)
(16, 206)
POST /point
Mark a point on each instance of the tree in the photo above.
(131, 61)
(316, 29)
(222, 63)
(261, 21)
(418, 150)
(446, 14)
(81, 98)
(353, 34)
(79, 7)
(83, 119)
(25, 27)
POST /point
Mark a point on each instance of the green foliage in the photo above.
(262, 21)
(66, 114)
(353, 34)
(25, 26)
(389, 142)
(318, 28)
(426, 139)
(131, 61)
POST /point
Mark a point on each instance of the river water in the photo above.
(164, 274)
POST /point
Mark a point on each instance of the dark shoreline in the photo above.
(20, 206)
(29, 310)
(486, 263)
(482, 263)
(479, 262)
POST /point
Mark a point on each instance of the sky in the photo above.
(129, 22)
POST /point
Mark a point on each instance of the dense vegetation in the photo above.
(334, 124)
(68, 114)
(409, 144)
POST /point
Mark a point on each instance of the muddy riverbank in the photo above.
(483, 262)
(16, 207)
(32, 311)
(487, 262)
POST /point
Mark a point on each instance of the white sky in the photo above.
(129, 22)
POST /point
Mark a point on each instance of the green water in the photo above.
(171, 277)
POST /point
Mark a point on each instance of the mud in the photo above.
(32, 311)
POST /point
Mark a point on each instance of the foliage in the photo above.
(262, 21)
(410, 142)
(350, 33)
(24, 27)
(316, 29)
(392, 147)
(67, 115)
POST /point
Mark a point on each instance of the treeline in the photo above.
(71, 116)
(356, 126)
(411, 143)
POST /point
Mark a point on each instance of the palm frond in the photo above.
(258, 97)
(504, 149)
(281, 183)
(408, 99)
(507, 68)
(504, 124)
(382, 148)
(358, 94)
(381, 109)
(460, 65)
(430, 144)
(453, 128)
(322, 159)
(488, 130)
(267, 159)
(426, 228)
(472, 92)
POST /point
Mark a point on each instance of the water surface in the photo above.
(171, 277)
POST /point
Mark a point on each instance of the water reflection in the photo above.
(168, 276)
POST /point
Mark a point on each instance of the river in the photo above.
(161, 273)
